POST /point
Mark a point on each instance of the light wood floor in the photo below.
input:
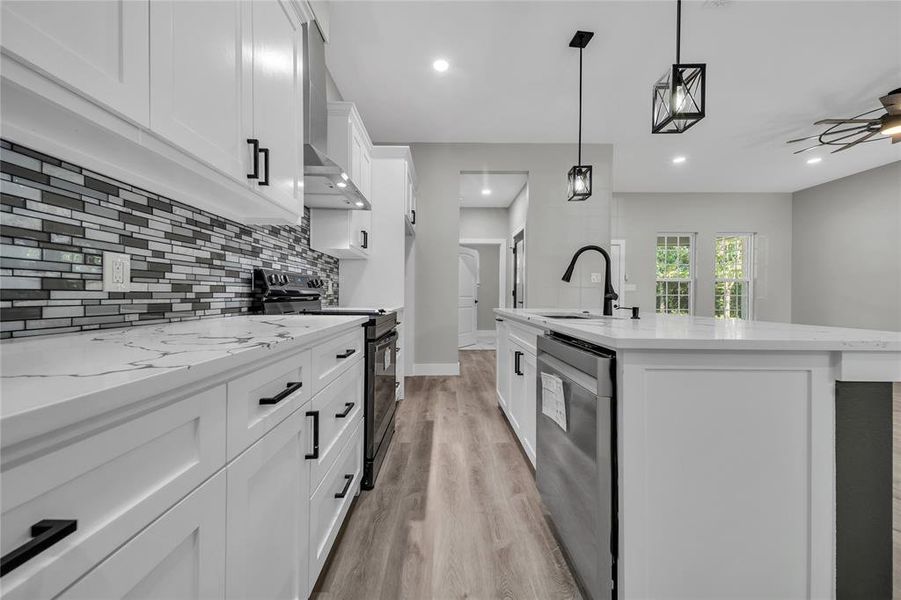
(455, 512)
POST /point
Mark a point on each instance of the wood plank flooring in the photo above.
(455, 512)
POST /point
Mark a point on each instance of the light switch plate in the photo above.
(116, 272)
(597, 278)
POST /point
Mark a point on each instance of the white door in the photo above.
(179, 556)
(99, 48)
(266, 523)
(200, 65)
(468, 296)
(277, 101)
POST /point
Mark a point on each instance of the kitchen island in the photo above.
(726, 442)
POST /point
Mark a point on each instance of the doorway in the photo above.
(519, 269)
(468, 296)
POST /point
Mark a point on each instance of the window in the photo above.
(733, 293)
(675, 273)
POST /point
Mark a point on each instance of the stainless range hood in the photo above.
(326, 184)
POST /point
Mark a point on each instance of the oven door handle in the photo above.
(386, 341)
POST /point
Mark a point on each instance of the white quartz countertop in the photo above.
(42, 378)
(704, 333)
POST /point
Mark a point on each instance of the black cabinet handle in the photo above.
(44, 534)
(348, 406)
(413, 212)
(347, 353)
(365, 241)
(348, 479)
(315, 415)
(516, 367)
(255, 147)
(293, 386)
(499, 320)
(265, 153)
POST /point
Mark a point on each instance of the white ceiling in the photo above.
(504, 188)
(773, 68)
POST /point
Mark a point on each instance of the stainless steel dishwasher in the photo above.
(576, 465)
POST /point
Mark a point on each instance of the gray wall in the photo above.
(489, 274)
(483, 223)
(637, 218)
(562, 227)
(846, 255)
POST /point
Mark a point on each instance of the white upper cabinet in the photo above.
(349, 145)
(98, 47)
(277, 102)
(201, 95)
(224, 72)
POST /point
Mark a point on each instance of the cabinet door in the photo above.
(502, 358)
(361, 230)
(356, 154)
(200, 67)
(528, 403)
(97, 47)
(180, 556)
(266, 522)
(277, 100)
(366, 173)
(517, 385)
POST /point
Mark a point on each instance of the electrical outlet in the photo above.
(597, 278)
(116, 272)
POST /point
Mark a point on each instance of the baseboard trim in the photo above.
(432, 369)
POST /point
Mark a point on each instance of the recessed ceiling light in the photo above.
(341, 184)
(814, 160)
(678, 160)
(360, 204)
(441, 65)
(486, 192)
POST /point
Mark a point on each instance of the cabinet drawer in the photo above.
(259, 401)
(330, 503)
(335, 356)
(180, 555)
(339, 408)
(113, 483)
(525, 336)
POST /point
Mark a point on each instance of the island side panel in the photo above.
(726, 474)
(863, 432)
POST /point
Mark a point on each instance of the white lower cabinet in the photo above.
(517, 381)
(331, 501)
(181, 555)
(266, 524)
(153, 506)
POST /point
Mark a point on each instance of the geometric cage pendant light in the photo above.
(579, 176)
(680, 93)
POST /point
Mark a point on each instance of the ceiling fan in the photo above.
(847, 133)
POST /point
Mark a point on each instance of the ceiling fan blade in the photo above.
(808, 148)
(857, 141)
(856, 129)
(809, 137)
(840, 121)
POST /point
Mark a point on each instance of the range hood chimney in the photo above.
(326, 183)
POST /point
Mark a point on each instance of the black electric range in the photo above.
(284, 293)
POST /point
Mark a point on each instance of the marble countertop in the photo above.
(705, 333)
(41, 377)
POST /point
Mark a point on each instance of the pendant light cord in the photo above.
(579, 162)
(678, 31)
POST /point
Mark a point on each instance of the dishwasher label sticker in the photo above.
(553, 402)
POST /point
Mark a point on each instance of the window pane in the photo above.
(673, 268)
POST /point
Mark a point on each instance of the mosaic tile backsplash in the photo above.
(57, 220)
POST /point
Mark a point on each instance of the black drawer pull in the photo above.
(315, 453)
(44, 534)
(348, 406)
(413, 212)
(255, 147)
(293, 386)
(516, 366)
(265, 153)
(365, 239)
(347, 353)
(348, 479)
